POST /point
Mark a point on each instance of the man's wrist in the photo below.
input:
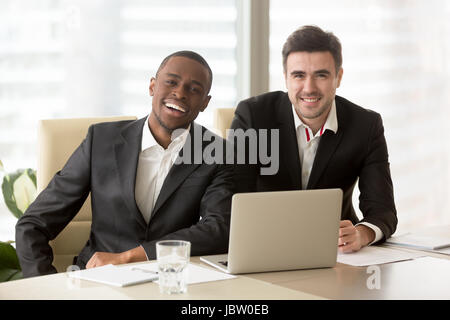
(366, 233)
(134, 255)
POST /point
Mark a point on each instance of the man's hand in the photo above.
(353, 238)
(99, 259)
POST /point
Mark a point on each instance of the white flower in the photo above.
(24, 191)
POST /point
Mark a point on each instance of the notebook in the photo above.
(282, 230)
(115, 276)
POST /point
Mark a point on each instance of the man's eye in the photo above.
(322, 75)
(195, 90)
(170, 82)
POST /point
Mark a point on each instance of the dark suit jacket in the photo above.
(357, 150)
(105, 164)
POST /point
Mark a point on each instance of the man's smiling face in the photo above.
(311, 80)
(180, 92)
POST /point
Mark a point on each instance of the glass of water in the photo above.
(173, 259)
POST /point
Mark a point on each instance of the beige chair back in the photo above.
(58, 139)
(222, 119)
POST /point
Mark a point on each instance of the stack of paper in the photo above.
(373, 255)
(443, 251)
(415, 241)
(115, 276)
(122, 276)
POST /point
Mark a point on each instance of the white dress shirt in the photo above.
(307, 148)
(153, 166)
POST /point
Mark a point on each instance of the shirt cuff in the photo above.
(145, 252)
(378, 232)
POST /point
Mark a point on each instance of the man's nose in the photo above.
(179, 92)
(309, 85)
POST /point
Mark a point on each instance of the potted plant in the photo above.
(19, 191)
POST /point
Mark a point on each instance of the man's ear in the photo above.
(285, 78)
(207, 99)
(151, 88)
(339, 77)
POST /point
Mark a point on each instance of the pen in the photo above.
(144, 270)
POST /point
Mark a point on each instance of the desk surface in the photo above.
(413, 279)
(60, 286)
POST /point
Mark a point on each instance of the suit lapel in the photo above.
(327, 146)
(127, 151)
(179, 172)
(289, 158)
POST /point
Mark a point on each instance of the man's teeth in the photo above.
(174, 106)
(311, 99)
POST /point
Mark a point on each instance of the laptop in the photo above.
(281, 230)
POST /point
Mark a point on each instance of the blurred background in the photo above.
(82, 58)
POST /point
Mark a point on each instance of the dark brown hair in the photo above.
(313, 39)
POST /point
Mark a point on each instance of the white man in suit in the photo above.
(140, 193)
(325, 141)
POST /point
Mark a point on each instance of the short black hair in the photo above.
(191, 55)
(313, 39)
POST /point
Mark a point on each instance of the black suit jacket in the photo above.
(357, 150)
(194, 203)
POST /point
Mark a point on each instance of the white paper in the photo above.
(196, 274)
(114, 275)
(372, 255)
(435, 262)
(443, 251)
(417, 241)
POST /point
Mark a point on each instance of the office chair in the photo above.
(58, 139)
(222, 119)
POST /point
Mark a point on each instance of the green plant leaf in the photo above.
(8, 196)
(10, 274)
(9, 263)
(32, 175)
(8, 257)
(16, 276)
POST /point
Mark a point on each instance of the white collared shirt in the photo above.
(308, 142)
(153, 166)
(307, 148)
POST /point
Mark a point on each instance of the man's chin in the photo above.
(172, 127)
(307, 113)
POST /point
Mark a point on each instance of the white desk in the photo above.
(414, 279)
(60, 286)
